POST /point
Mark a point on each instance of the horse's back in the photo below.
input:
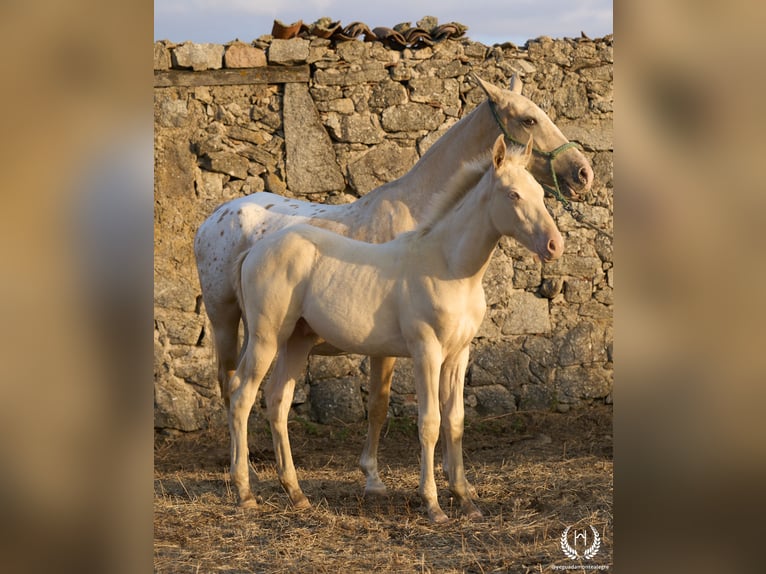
(232, 229)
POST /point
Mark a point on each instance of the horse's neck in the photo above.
(467, 139)
(466, 237)
(470, 137)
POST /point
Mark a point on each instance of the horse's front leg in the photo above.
(290, 365)
(453, 414)
(427, 365)
(381, 373)
(255, 361)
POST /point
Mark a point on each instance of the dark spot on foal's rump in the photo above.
(269, 206)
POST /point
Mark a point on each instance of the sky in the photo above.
(488, 21)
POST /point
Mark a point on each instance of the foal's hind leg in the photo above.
(291, 363)
(451, 402)
(381, 373)
(426, 360)
(446, 460)
(255, 362)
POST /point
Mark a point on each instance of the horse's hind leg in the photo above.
(253, 366)
(381, 373)
(291, 363)
(224, 319)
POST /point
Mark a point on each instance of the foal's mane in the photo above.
(466, 178)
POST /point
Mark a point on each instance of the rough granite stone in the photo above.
(288, 52)
(309, 157)
(241, 55)
(198, 56)
(380, 165)
(334, 400)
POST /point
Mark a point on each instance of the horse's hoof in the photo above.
(376, 491)
(438, 517)
(249, 502)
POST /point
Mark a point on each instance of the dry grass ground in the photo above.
(535, 473)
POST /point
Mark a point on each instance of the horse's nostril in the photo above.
(552, 246)
(585, 175)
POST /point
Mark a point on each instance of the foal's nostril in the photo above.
(555, 248)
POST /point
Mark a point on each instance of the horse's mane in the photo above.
(467, 177)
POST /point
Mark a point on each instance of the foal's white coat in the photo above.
(379, 216)
(418, 296)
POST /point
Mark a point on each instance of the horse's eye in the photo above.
(514, 195)
(529, 122)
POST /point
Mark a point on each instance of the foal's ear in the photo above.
(528, 152)
(516, 85)
(498, 152)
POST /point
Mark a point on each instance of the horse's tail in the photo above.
(236, 279)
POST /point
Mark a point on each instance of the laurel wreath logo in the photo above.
(588, 553)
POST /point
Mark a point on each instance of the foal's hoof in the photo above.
(473, 514)
(300, 502)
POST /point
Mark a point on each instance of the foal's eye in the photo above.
(514, 195)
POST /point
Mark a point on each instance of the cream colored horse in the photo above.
(379, 216)
(419, 295)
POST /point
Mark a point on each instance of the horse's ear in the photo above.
(498, 152)
(516, 85)
(528, 151)
(493, 93)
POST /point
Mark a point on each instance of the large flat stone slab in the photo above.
(309, 156)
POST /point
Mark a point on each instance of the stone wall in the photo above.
(329, 122)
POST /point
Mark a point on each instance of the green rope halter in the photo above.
(555, 191)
